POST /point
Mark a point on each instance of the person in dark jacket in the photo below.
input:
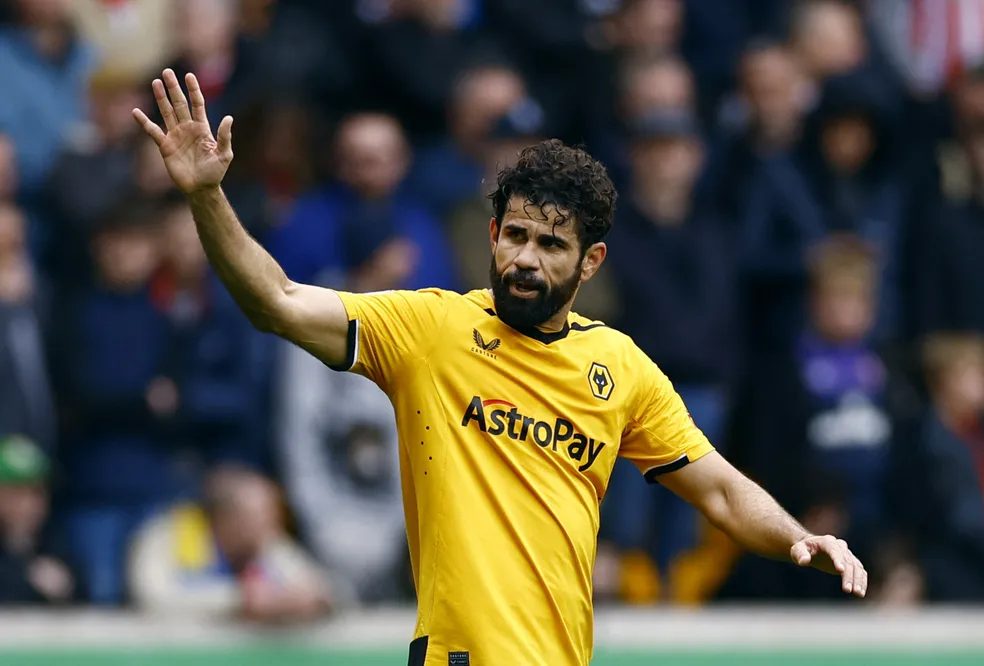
(677, 283)
(949, 252)
(116, 402)
(218, 362)
(953, 445)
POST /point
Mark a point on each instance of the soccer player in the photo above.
(511, 409)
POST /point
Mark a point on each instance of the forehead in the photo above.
(544, 219)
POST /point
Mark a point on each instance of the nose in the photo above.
(528, 259)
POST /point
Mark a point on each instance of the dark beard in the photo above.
(525, 314)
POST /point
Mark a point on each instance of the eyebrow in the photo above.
(553, 237)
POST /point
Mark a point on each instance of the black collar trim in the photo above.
(547, 338)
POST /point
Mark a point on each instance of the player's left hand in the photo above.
(831, 555)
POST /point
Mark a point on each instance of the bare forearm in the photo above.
(750, 516)
(251, 275)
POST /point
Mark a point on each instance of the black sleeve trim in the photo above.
(351, 348)
(654, 472)
(418, 651)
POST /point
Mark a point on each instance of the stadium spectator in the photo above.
(761, 122)
(842, 179)
(828, 38)
(209, 43)
(453, 170)
(362, 226)
(415, 52)
(828, 452)
(953, 441)
(110, 353)
(229, 555)
(647, 85)
(950, 259)
(856, 181)
(93, 172)
(217, 361)
(32, 561)
(43, 77)
(26, 405)
(677, 283)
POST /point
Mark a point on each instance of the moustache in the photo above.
(524, 280)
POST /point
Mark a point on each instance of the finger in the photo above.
(196, 97)
(861, 584)
(149, 126)
(847, 579)
(224, 137)
(164, 104)
(178, 101)
(800, 554)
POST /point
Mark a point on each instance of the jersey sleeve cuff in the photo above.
(351, 348)
(653, 473)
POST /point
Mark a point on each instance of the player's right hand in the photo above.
(194, 159)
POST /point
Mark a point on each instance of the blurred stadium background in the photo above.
(799, 244)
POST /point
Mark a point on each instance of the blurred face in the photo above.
(482, 98)
(961, 386)
(207, 26)
(843, 314)
(672, 162)
(124, 258)
(847, 143)
(11, 231)
(9, 180)
(651, 25)
(247, 521)
(830, 39)
(771, 83)
(371, 155)
(111, 111)
(662, 86)
(537, 264)
(23, 509)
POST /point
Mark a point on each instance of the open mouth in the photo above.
(523, 291)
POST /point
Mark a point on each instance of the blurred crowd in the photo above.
(799, 244)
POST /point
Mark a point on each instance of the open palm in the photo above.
(194, 159)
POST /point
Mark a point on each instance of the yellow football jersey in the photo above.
(507, 441)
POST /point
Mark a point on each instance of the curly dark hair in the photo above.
(578, 185)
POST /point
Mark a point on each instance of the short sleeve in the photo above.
(660, 436)
(391, 331)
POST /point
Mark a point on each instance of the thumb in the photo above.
(224, 137)
(800, 553)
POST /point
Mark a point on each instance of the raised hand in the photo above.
(194, 159)
(831, 555)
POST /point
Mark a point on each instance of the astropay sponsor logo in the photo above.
(503, 418)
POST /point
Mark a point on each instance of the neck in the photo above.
(557, 322)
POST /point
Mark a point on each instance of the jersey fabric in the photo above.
(507, 441)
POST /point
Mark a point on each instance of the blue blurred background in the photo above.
(799, 244)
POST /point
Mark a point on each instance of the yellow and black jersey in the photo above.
(507, 441)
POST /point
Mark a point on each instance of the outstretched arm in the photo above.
(750, 516)
(311, 317)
